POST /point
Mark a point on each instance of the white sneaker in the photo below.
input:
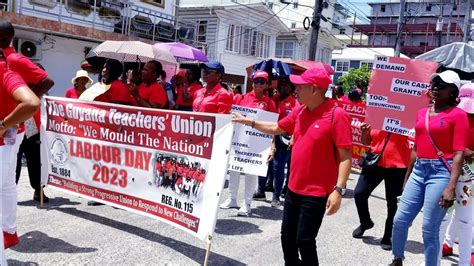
(245, 210)
(229, 203)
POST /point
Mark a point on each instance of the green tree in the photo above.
(355, 78)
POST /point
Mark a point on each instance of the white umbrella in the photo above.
(132, 51)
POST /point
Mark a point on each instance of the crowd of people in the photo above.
(310, 158)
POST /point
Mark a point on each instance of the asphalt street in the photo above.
(67, 231)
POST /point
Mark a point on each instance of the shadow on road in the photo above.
(236, 227)
(53, 203)
(267, 212)
(414, 247)
(195, 253)
(21, 263)
(39, 242)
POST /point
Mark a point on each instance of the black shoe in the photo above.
(359, 231)
(396, 262)
(37, 197)
(94, 203)
(269, 188)
(259, 196)
(386, 244)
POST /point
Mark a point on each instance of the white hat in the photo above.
(448, 76)
(81, 74)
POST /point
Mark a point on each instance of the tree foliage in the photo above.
(355, 78)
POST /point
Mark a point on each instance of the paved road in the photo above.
(67, 231)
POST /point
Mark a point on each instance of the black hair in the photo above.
(354, 95)
(238, 88)
(115, 68)
(163, 75)
(196, 71)
(158, 67)
(225, 86)
(7, 26)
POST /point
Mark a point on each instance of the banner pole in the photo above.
(208, 251)
(41, 196)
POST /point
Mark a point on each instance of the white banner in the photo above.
(152, 162)
(250, 147)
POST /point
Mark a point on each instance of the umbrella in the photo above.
(183, 51)
(132, 51)
(455, 55)
(313, 64)
(276, 69)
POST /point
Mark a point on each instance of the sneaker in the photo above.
(37, 197)
(245, 210)
(10, 240)
(229, 203)
(269, 188)
(259, 196)
(396, 262)
(276, 203)
(447, 250)
(386, 244)
(359, 231)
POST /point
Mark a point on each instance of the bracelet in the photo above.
(253, 124)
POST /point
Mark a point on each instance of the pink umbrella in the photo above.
(183, 51)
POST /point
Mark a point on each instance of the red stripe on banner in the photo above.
(162, 211)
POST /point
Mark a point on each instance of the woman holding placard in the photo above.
(440, 142)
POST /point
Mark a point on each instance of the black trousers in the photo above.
(369, 179)
(302, 218)
(31, 148)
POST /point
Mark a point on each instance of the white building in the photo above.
(236, 35)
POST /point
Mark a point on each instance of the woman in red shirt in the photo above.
(150, 93)
(118, 92)
(18, 104)
(213, 98)
(391, 168)
(258, 100)
(434, 175)
(185, 93)
(79, 81)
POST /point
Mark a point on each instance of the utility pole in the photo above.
(315, 24)
(439, 24)
(400, 28)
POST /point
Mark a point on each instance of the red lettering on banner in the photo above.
(95, 152)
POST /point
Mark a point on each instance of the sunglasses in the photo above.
(441, 85)
(259, 81)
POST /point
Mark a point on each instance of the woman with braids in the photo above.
(434, 168)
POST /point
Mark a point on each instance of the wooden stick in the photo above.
(208, 251)
(41, 197)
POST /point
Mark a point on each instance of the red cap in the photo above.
(260, 74)
(181, 73)
(314, 76)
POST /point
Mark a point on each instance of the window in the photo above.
(382, 8)
(284, 49)
(406, 7)
(428, 7)
(159, 3)
(244, 40)
(293, 25)
(234, 36)
(342, 31)
(367, 65)
(230, 38)
(202, 31)
(423, 44)
(455, 7)
(342, 66)
(295, 5)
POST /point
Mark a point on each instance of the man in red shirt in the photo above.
(320, 166)
(150, 93)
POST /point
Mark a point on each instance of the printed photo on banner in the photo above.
(397, 90)
(250, 147)
(147, 161)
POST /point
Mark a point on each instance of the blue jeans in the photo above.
(276, 169)
(424, 188)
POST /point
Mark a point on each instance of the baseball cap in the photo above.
(448, 76)
(260, 74)
(315, 76)
(215, 65)
(466, 97)
(181, 73)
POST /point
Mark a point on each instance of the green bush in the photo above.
(355, 78)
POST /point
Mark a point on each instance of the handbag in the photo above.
(438, 150)
(370, 159)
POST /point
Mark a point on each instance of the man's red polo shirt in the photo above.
(153, 93)
(19, 63)
(314, 162)
(251, 100)
(285, 106)
(218, 100)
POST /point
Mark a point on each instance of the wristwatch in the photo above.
(338, 189)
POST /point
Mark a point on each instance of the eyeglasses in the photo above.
(440, 85)
(259, 81)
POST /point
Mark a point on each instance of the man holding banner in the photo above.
(316, 179)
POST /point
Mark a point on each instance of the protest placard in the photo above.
(162, 164)
(397, 90)
(250, 147)
(357, 113)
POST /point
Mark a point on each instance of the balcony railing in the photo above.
(113, 16)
